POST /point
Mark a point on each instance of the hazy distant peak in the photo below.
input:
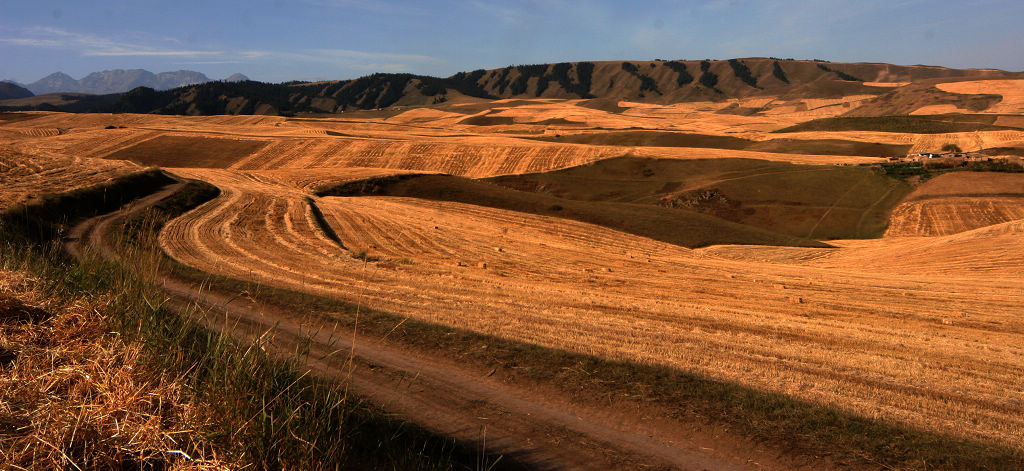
(116, 81)
(55, 82)
(236, 77)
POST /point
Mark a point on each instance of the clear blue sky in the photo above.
(337, 39)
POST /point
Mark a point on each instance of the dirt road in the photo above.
(530, 425)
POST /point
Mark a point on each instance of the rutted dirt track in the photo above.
(855, 327)
(921, 327)
(536, 427)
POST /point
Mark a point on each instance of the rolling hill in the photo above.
(10, 90)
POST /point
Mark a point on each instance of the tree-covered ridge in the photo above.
(778, 72)
(369, 92)
(743, 72)
(646, 82)
(683, 77)
(708, 78)
(842, 75)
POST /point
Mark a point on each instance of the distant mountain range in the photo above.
(119, 81)
(601, 84)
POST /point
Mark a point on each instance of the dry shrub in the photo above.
(73, 395)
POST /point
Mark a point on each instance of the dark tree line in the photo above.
(779, 73)
(545, 74)
(646, 82)
(743, 72)
(842, 75)
(371, 91)
(708, 78)
(683, 76)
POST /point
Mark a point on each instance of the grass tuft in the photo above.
(241, 405)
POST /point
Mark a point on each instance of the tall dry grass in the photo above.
(119, 380)
(76, 395)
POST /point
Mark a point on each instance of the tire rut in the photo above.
(538, 430)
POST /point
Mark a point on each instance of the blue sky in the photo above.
(338, 39)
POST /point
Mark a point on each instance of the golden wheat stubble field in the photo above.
(922, 326)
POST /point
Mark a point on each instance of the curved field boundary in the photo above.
(829, 330)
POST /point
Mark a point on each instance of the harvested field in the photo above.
(958, 202)
(596, 242)
(673, 225)
(971, 184)
(917, 124)
(1012, 92)
(951, 215)
(15, 117)
(25, 176)
(188, 151)
(585, 288)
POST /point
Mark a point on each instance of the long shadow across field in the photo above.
(709, 141)
(795, 425)
(805, 201)
(675, 226)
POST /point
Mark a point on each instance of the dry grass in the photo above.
(75, 396)
(915, 330)
(864, 334)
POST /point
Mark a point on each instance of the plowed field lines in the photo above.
(107, 142)
(23, 177)
(991, 251)
(933, 142)
(931, 352)
(945, 216)
(323, 155)
(37, 131)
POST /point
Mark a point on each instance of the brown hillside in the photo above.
(694, 80)
(778, 82)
